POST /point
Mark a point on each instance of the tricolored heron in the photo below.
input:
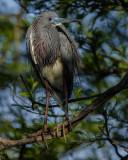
(54, 56)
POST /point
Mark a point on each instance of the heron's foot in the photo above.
(57, 130)
(42, 133)
(63, 129)
(38, 133)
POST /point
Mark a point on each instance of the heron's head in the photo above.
(50, 17)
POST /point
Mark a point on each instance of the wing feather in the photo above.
(44, 43)
(70, 52)
(69, 56)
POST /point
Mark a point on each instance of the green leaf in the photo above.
(78, 92)
(34, 84)
(25, 94)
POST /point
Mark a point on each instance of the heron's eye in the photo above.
(50, 19)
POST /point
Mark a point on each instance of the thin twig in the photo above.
(18, 97)
(107, 134)
(31, 98)
(111, 142)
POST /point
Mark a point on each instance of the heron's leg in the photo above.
(42, 132)
(66, 103)
(47, 105)
(66, 117)
(46, 113)
(66, 99)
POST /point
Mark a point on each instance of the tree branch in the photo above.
(52, 133)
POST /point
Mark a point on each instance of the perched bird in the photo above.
(54, 56)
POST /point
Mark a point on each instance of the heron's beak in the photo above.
(63, 20)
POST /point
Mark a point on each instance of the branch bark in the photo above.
(52, 132)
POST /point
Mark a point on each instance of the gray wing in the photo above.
(71, 50)
(69, 56)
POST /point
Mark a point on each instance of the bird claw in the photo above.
(70, 129)
(37, 134)
(64, 133)
(42, 133)
(43, 137)
(63, 130)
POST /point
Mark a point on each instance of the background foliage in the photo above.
(102, 41)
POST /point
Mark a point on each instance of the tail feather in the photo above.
(57, 96)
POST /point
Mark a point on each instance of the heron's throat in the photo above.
(54, 74)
